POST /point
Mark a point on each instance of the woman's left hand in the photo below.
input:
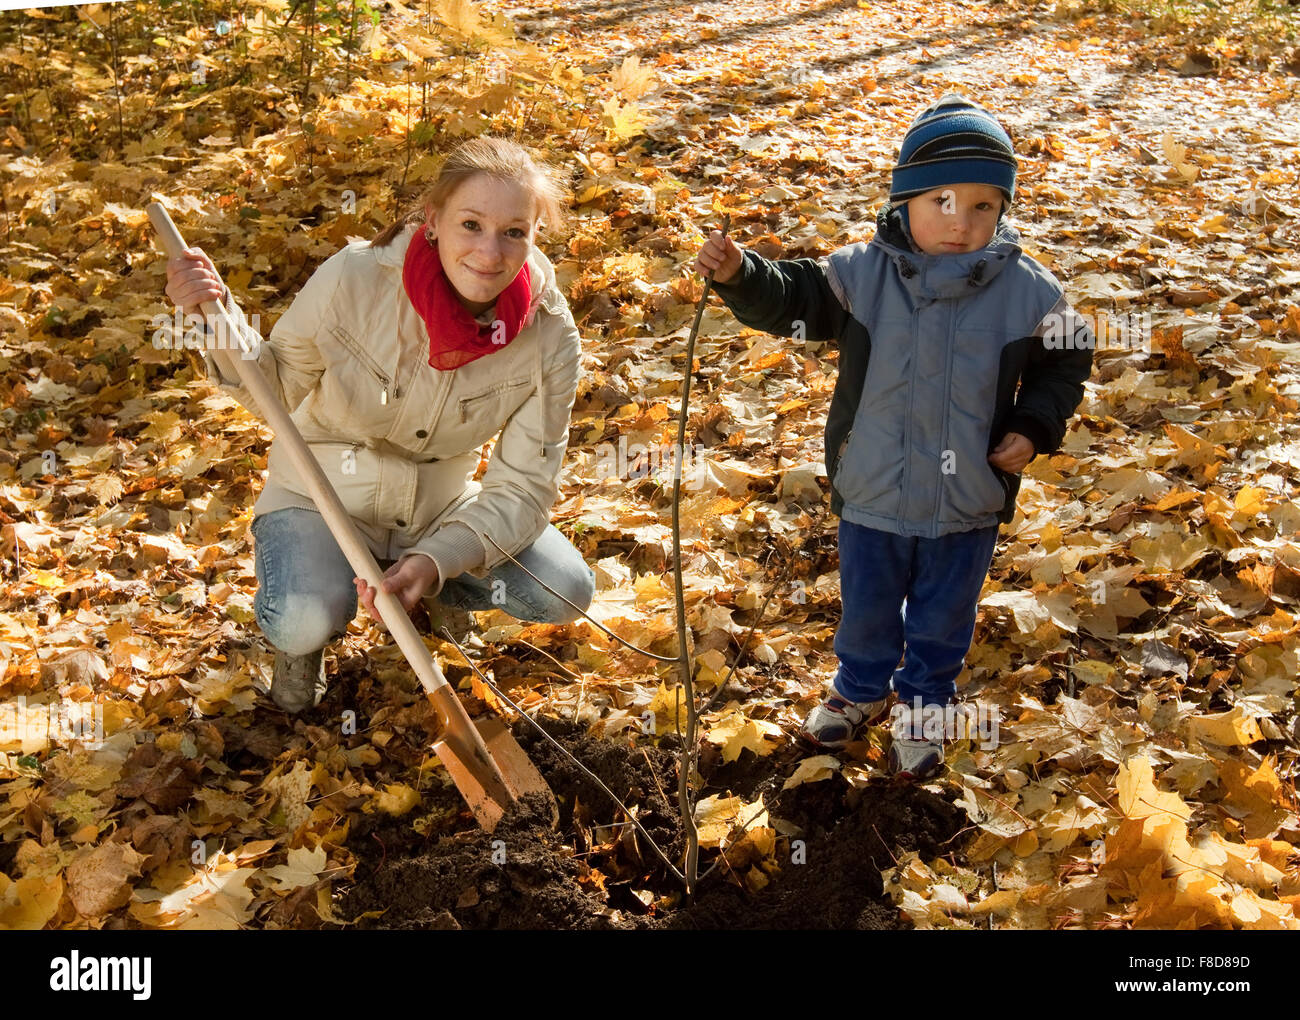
(409, 578)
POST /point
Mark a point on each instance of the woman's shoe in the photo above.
(299, 680)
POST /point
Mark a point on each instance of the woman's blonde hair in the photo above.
(499, 158)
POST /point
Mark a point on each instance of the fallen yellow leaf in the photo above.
(29, 903)
(717, 817)
(302, 868)
(397, 799)
(813, 770)
(735, 732)
(1230, 729)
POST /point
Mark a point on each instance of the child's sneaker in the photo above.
(914, 753)
(833, 723)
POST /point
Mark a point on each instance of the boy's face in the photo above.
(955, 218)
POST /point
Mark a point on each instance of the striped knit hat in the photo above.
(954, 141)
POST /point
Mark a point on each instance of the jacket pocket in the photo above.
(869, 476)
(839, 456)
(350, 468)
(494, 404)
(367, 361)
(974, 493)
(1010, 487)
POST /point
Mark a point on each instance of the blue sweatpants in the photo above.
(909, 599)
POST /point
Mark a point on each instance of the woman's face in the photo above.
(484, 230)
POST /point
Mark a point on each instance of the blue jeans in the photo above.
(912, 599)
(305, 595)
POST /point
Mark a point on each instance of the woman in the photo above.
(399, 359)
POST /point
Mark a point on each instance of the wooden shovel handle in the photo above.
(243, 365)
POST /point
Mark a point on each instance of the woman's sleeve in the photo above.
(290, 359)
(522, 479)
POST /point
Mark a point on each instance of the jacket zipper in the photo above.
(904, 504)
(368, 362)
(951, 350)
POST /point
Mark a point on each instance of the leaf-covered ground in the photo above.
(1137, 638)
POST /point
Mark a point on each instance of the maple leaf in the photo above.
(719, 818)
(292, 788)
(1234, 727)
(1256, 796)
(302, 868)
(623, 120)
(219, 805)
(1079, 815)
(217, 899)
(735, 732)
(107, 489)
(813, 770)
(631, 80)
(1139, 798)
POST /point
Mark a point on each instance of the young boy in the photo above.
(960, 361)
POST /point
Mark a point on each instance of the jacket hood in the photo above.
(930, 277)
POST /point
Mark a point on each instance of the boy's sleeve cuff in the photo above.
(743, 274)
(1033, 430)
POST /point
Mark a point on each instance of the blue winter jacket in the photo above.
(940, 357)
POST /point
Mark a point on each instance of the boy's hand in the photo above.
(409, 578)
(1013, 454)
(719, 256)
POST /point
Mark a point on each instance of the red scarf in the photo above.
(455, 339)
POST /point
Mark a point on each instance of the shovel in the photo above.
(488, 766)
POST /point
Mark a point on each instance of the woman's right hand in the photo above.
(193, 279)
(409, 578)
(719, 256)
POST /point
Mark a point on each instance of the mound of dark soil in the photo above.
(591, 873)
